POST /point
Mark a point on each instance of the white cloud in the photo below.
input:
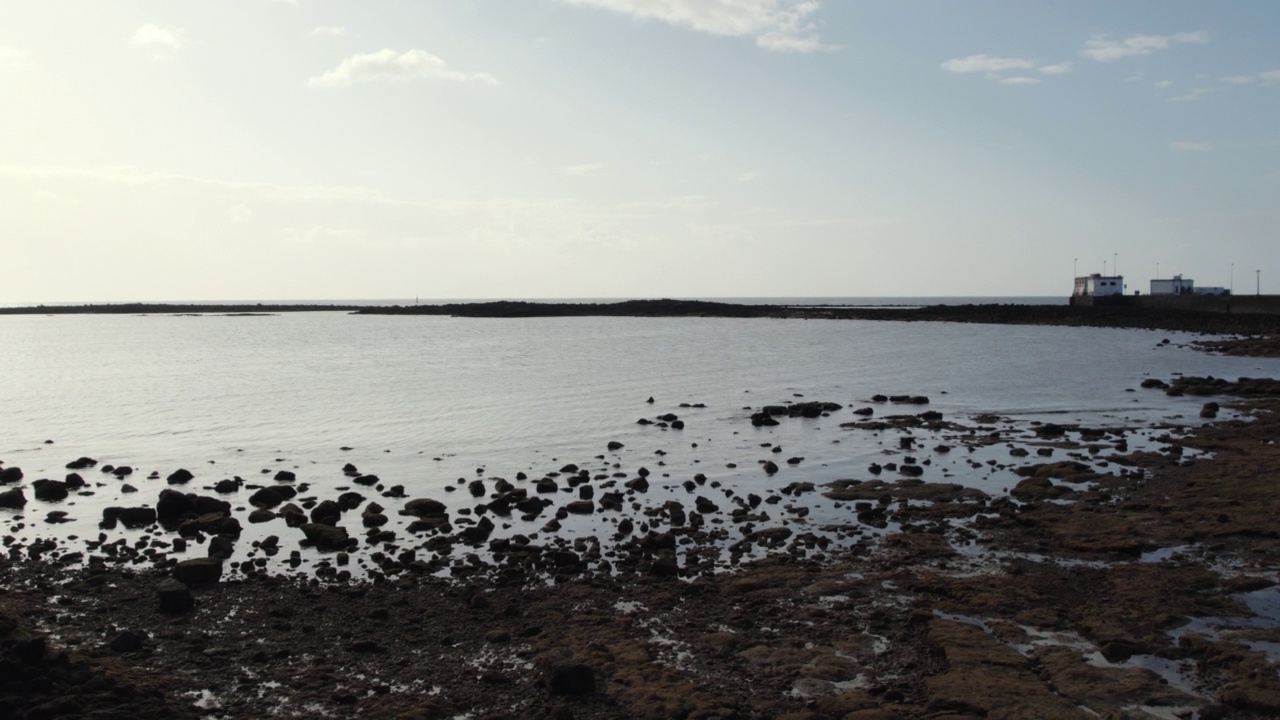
(328, 31)
(389, 66)
(777, 25)
(1270, 77)
(1189, 146)
(1238, 80)
(1019, 80)
(1193, 95)
(583, 169)
(986, 63)
(1108, 50)
(240, 214)
(748, 177)
(12, 57)
(1164, 84)
(1057, 69)
(160, 36)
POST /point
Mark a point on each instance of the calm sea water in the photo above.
(423, 401)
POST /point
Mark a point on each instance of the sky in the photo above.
(330, 149)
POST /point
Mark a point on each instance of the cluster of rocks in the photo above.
(766, 415)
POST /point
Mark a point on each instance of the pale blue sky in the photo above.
(268, 149)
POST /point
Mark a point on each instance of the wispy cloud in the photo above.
(240, 214)
(1270, 77)
(994, 66)
(12, 57)
(160, 37)
(747, 177)
(1104, 50)
(328, 31)
(390, 66)
(1193, 95)
(1164, 84)
(1190, 146)
(986, 63)
(1238, 80)
(583, 169)
(777, 25)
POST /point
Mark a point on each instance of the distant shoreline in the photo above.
(1171, 319)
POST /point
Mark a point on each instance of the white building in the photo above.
(1097, 285)
(1177, 285)
(1207, 290)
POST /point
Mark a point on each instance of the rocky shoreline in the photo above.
(1110, 581)
(1267, 327)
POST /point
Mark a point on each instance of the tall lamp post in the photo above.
(1233, 278)
(1258, 289)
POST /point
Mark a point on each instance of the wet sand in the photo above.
(1142, 587)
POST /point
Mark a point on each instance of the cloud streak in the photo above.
(389, 66)
(160, 36)
(12, 57)
(986, 63)
(785, 26)
(1104, 50)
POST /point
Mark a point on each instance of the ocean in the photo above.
(427, 401)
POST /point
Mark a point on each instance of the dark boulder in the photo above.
(174, 597)
(200, 571)
(10, 475)
(172, 505)
(770, 467)
(581, 507)
(49, 490)
(367, 480)
(285, 476)
(127, 642)
(181, 476)
(81, 463)
(132, 517)
(221, 546)
(12, 499)
(204, 505)
(74, 481)
(268, 497)
(424, 506)
(615, 445)
(568, 678)
(349, 501)
(326, 537)
(327, 512)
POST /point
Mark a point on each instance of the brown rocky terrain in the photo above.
(1085, 594)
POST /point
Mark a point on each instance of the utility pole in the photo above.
(1258, 289)
(1233, 278)
(1115, 264)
